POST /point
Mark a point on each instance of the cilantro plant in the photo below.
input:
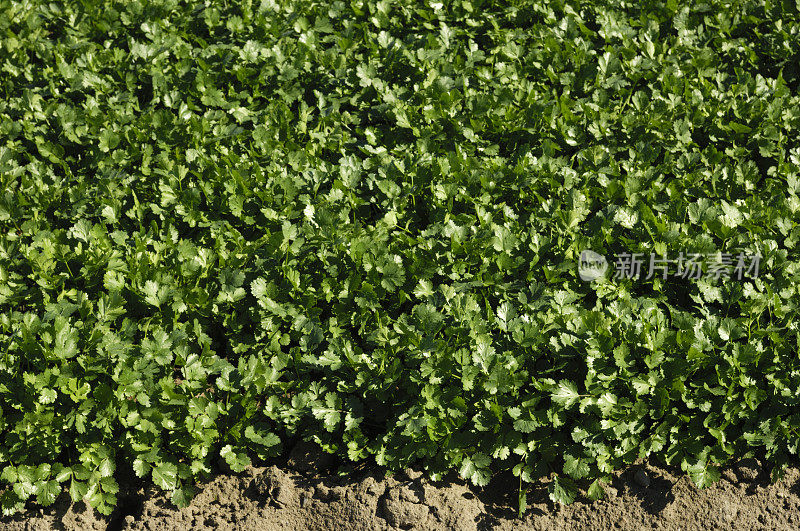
(225, 226)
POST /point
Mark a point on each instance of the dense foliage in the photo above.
(229, 225)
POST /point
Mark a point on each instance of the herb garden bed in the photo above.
(541, 239)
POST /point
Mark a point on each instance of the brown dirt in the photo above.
(272, 498)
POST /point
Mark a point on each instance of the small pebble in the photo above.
(641, 478)
(305, 500)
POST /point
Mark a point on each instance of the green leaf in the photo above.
(62, 473)
(10, 503)
(739, 128)
(525, 426)
(595, 491)
(565, 394)
(575, 468)
(77, 490)
(263, 439)
(155, 295)
(475, 469)
(106, 468)
(182, 496)
(238, 461)
(9, 474)
(703, 474)
(165, 475)
(108, 140)
(562, 490)
(522, 502)
(424, 289)
(47, 492)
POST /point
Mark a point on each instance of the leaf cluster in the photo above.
(225, 226)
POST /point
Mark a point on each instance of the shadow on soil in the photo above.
(654, 497)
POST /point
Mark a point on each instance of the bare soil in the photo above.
(298, 497)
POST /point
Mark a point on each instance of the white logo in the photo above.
(592, 265)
